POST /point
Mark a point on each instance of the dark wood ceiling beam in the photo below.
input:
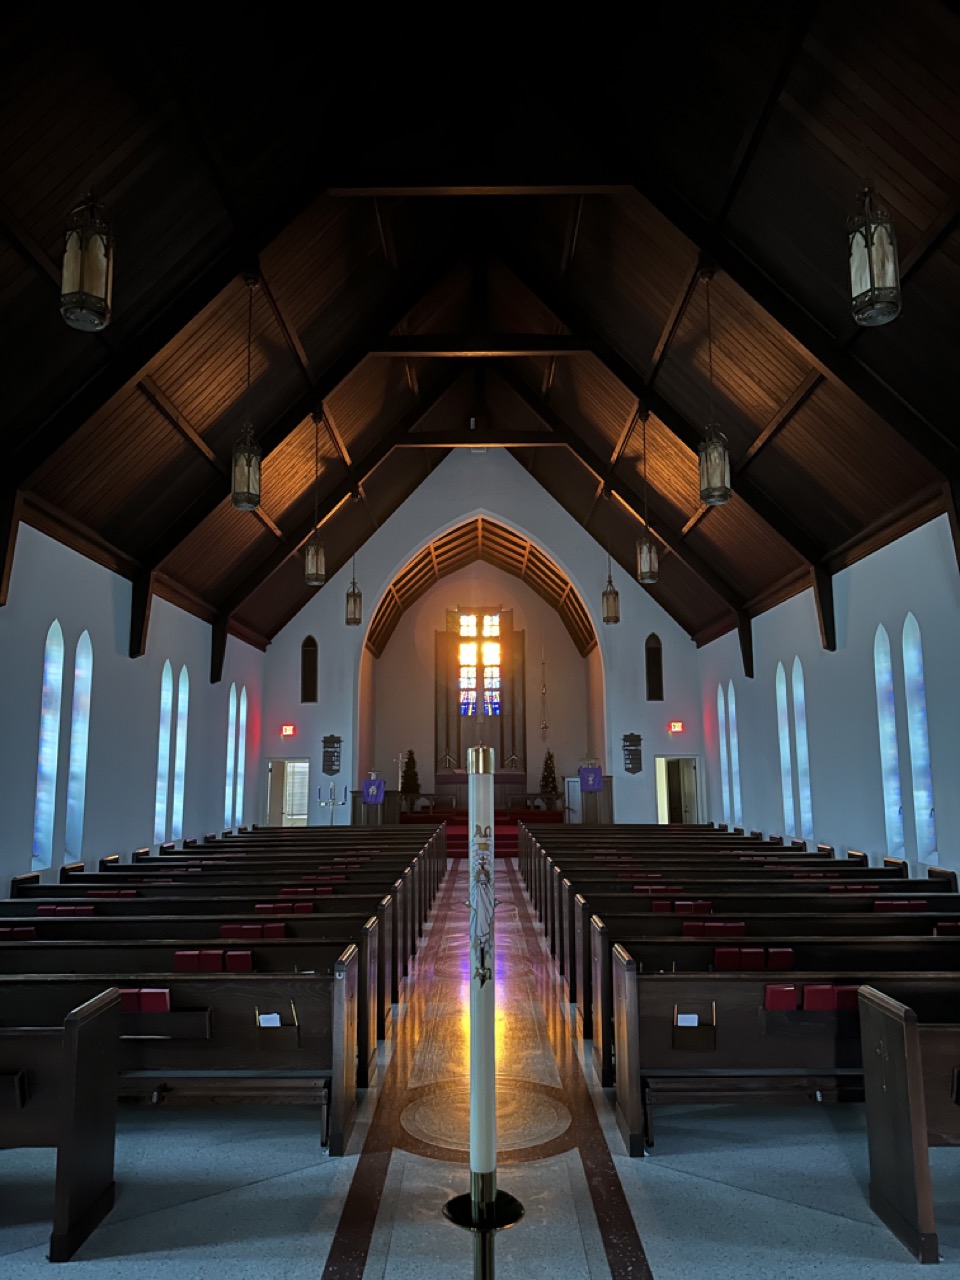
(141, 603)
(757, 123)
(149, 389)
(674, 320)
(576, 320)
(595, 463)
(490, 346)
(930, 241)
(479, 439)
(951, 502)
(829, 355)
(335, 498)
(801, 394)
(26, 246)
(11, 506)
(130, 358)
(477, 184)
(410, 289)
(745, 634)
(822, 583)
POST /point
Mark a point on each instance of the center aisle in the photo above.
(553, 1154)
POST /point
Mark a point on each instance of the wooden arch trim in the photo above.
(482, 539)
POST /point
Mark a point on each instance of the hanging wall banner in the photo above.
(373, 789)
(591, 777)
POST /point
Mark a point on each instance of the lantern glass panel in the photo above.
(648, 561)
(86, 288)
(315, 562)
(354, 612)
(611, 603)
(714, 469)
(246, 471)
(874, 268)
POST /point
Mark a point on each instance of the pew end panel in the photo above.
(342, 1109)
(66, 1097)
(901, 1193)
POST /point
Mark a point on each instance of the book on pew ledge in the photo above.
(688, 1020)
(268, 1020)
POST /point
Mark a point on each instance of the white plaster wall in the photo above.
(463, 486)
(917, 573)
(49, 581)
(404, 675)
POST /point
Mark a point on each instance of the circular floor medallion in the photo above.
(525, 1117)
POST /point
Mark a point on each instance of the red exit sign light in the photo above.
(287, 730)
(676, 726)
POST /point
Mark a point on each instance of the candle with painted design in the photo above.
(483, 1066)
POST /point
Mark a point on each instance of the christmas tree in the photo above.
(410, 781)
(548, 779)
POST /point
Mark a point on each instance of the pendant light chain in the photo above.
(713, 415)
(646, 523)
(316, 470)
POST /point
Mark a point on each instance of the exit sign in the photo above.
(287, 730)
(676, 726)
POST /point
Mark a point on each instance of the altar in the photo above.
(510, 784)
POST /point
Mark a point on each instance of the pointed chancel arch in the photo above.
(481, 538)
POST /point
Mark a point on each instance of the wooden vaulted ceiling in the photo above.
(517, 267)
(481, 539)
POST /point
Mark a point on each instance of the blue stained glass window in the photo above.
(163, 754)
(47, 755)
(231, 757)
(786, 759)
(887, 726)
(180, 754)
(241, 755)
(919, 738)
(803, 755)
(724, 765)
(737, 804)
(79, 743)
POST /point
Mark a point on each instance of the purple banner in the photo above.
(591, 777)
(373, 789)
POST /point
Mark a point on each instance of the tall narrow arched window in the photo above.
(180, 753)
(241, 755)
(653, 651)
(79, 742)
(803, 755)
(887, 726)
(724, 768)
(47, 755)
(786, 759)
(916, 697)
(231, 757)
(736, 803)
(163, 754)
(309, 663)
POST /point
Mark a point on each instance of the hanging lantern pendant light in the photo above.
(611, 598)
(86, 285)
(713, 452)
(315, 566)
(245, 473)
(648, 557)
(354, 611)
(874, 268)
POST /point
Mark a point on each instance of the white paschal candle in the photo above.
(483, 1064)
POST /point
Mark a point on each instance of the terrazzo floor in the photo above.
(732, 1192)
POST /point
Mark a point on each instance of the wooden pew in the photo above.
(910, 1083)
(152, 962)
(58, 1089)
(210, 1044)
(190, 929)
(741, 1049)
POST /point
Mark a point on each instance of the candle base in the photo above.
(495, 1215)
